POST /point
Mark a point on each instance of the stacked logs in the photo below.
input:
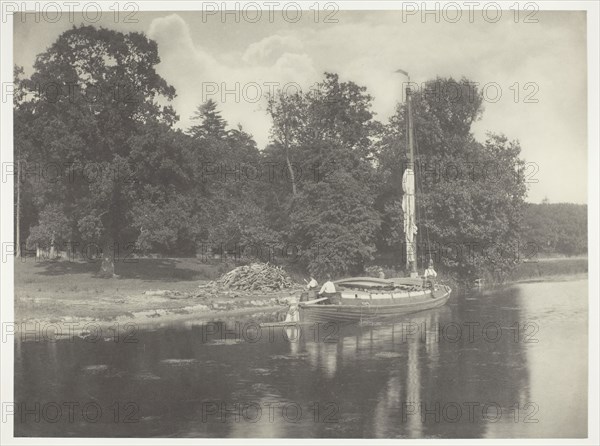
(256, 276)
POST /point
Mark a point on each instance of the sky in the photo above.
(534, 75)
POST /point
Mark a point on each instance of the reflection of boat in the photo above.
(360, 298)
(364, 298)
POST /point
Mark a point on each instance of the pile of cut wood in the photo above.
(256, 276)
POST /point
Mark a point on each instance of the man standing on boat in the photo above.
(429, 275)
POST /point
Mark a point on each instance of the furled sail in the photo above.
(408, 207)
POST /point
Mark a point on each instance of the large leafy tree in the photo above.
(23, 148)
(287, 113)
(51, 231)
(98, 106)
(334, 224)
(326, 135)
(226, 197)
(470, 194)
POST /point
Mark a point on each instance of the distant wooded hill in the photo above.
(556, 228)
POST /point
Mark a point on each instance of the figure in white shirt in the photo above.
(429, 275)
(293, 315)
(313, 284)
(430, 272)
(328, 288)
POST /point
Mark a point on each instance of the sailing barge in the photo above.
(359, 299)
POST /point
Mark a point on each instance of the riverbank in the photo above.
(150, 292)
(550, 269)
(554, 269)
(147, 292)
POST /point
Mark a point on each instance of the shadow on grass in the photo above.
(156, 269)
(144, 269)
(59, 267)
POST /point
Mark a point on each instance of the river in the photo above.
(497, 364)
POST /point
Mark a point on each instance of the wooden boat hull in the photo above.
(371, 310)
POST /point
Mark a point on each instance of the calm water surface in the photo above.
(507, 363)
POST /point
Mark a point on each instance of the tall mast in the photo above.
(411, 256)
(408, 187)
(411, 148)
(18, 210)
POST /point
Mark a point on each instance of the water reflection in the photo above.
(468, 370)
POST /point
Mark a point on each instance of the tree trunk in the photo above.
(18, 234)
(289, 164)
(70, 251)
(107, 267)
(292, 178)
(52, 248)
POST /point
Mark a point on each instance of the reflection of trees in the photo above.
(428, 371)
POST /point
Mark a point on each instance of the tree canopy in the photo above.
(328, 184)
(555, 228)
(96, 115)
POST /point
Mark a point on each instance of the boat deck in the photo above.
(354, 305)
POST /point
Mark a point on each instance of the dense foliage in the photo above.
(555, 228)
(325, 192)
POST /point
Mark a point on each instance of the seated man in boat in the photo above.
(429, 275)
(312, 285)
(328, 289)
(311, 290)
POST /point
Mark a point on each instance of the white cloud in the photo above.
(367, 51)
(270, 49)
(198, 76)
